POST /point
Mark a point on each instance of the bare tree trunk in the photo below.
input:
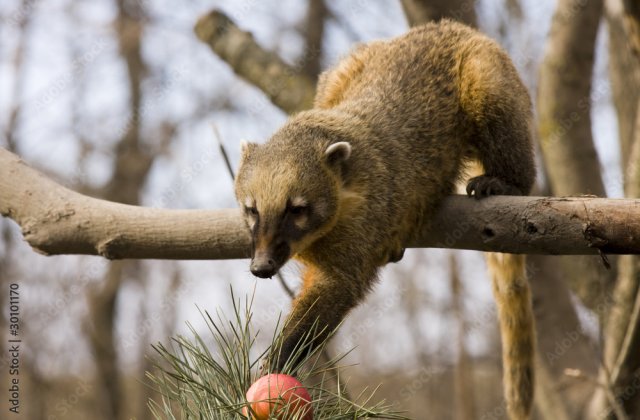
(549, 401)
(24, 24)
(38, 390)
(464, 373)
(317, 14)
(624, 78)
(620, 372)
(564, 127)
(564, 99)
(423, 11)
(131, 167)
(561, 343)
(102, 311)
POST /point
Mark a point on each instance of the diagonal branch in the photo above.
(285, 86)
(56, 220)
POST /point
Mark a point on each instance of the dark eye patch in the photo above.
(298, 210)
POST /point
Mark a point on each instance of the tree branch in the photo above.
(283, 84)
(56, 220)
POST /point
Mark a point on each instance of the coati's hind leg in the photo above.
(504, 149)
(500, 110)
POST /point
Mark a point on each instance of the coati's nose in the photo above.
(263, 266)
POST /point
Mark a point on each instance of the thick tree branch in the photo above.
(285, 86)
(56, 220)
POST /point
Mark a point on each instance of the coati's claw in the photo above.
(485, 185)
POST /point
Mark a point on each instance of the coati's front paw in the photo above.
(273, 363)
(284, 355)
(486, 185)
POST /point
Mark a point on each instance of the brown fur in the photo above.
(511, 291)
(412, 110)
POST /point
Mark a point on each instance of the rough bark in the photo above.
(56, 220)
(282, 83)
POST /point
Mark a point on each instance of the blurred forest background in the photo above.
(116, 98)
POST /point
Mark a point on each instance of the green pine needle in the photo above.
(196, 384)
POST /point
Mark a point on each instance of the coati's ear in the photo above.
(246, 148)
(338, 152)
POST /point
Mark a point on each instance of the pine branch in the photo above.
(202, 381)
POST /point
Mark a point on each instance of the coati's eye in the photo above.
(297, 206)
(251, 211)
(297, 210)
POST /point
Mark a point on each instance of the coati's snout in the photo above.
(276, 233)
(266, 262)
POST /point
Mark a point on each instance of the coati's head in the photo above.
(288, 190)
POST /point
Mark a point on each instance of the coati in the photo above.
(342, 187)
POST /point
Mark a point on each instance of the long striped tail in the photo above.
(515, 314)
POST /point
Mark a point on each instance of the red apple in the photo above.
(268, 394)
